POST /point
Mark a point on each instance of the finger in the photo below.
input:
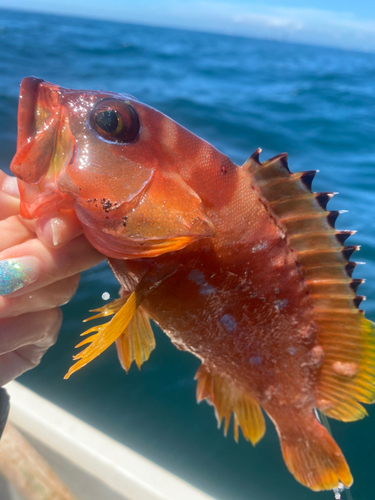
(42, 327)
(28, 329)
(39, 266)
(51, 296)
(4, 409)
(14, 231)
(57, 229)
(9, 185)
(9, 196)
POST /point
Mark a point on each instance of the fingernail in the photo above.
(10, 186)
(56, 225)
(17, 273)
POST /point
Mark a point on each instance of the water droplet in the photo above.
(337, 491)
(106, 296)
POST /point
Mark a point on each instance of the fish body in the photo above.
(239, 265)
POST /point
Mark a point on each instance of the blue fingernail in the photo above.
(17, 273)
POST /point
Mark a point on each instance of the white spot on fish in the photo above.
(292, 350)
(259, 246)
(280, 304)
(317, 354)
(346, 369)
(324, 404)
(269, 392)
(228, 322)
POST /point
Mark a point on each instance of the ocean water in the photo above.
(239, 94)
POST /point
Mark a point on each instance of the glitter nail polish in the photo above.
(17, 273)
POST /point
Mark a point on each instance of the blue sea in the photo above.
(317, 104)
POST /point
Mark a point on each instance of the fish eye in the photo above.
(115, 121)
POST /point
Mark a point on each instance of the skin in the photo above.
(30, 318)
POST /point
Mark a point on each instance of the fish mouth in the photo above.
(38, 122)
(43, 134)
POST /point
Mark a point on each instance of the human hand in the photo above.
(40, 264)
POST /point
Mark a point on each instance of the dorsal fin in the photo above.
(347, 375)
(228, 398)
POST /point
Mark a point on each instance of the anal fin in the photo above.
(228, 399)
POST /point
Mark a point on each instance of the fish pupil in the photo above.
(108, 121)
(115, 121)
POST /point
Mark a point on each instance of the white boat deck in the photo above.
(93, 465)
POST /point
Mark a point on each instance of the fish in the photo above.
(239, 265)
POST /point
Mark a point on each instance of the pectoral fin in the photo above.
(107, 333)
(137, 341)
(130, 325)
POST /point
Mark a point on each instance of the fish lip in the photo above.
(26, 108)
(33, 92)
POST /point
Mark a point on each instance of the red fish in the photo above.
(239, 265)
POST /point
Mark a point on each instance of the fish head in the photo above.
(111, 159)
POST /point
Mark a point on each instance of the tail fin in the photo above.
(312, 455)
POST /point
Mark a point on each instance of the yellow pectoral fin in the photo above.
(106, 333)
(137, 341)
(107, 310)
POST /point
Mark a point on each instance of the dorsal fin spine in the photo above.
(332, 217)
(323, 199)
(343, 235)
(349, 268)
(354, 284)
(253, 160)
(255, 155)
(307, 178)
(358, 299)
(348, 251)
